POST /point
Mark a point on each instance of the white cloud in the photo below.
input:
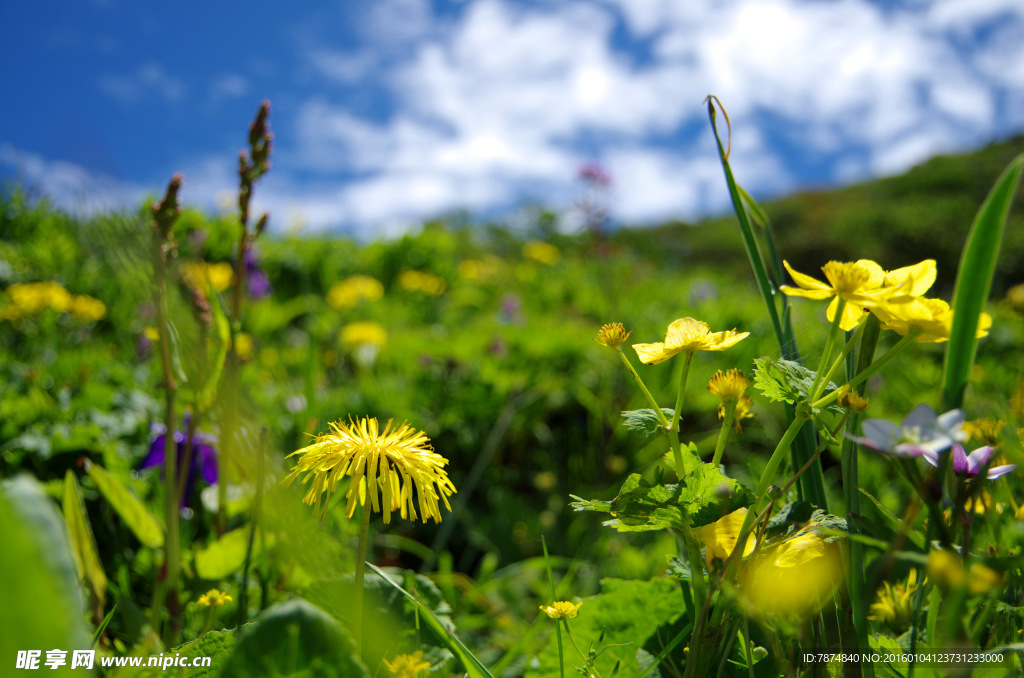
(146, 80)
(228, 86)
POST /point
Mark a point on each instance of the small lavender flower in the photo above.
(970, 465)
(921, 433)
(204, 456)
(258, 282)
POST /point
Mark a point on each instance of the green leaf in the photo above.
(787, 381)
(974, 281)
(226, 555)
(627, 613)
(646, 421)
(473, 666)
(83, 543)
(136, 516)
(41, 597)
(294, 638)
(641, 505)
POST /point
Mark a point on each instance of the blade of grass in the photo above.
(554, 597)
(812, 484)
(472, 665)
(974, 282)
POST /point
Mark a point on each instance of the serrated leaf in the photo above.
(83, 543)
(136, 516)
(787, 381)
(645, 422)
(641, 505)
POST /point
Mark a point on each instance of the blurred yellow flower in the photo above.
(687, 334)
(985, 430)
(202, 275)
(244, 346)
(612, 335)
(407, 665)
(213, 598)
(860, 283)
(87, 308)
(720, 537)
(363, 333)
(894, 606)
(151, 333)
(541, 252)
(482, 269)
(946, 569)
(385, 464)
(561, 609)
(34, 297)
(852, 400)
(350, 291)
(796, 577)
(421, 281)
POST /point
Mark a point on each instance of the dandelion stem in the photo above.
(357, 605)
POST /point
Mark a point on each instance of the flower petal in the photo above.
(652, 354)
(807, 282)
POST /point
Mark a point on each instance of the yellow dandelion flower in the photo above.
(213, 598)
(860, 283)
(561, 609)
(363, 333)
(612, 335)
(687, 334)
(349, 292)
(387, 465)
(894, 606)
(720, 537)
(407, 665)
(422, 281)
(87, 308)
(542, 252)
(985, 430)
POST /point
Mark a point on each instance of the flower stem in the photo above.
(826, 355)
(723, 435)
(670, 427)
(590, 667)
(682, 390)
(357, 603)
(887, 357)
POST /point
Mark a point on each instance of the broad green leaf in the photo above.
(217, 645)
(787, 381)
(646, 421)
(136, 516)
(83, 543)
(292, 639)
(42, 602)
(709, 495)
(974, 281)
(627, 613)
(226, 555)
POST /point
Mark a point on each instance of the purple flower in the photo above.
(204, 456)
(921, 433)
(593, 173)
(258, 282)
(970, 465)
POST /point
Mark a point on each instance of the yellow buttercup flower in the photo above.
(213, 598)
(407, 665)
(385, 464)
(796, 577)
(913, 280)
(612, 335)
(34, 297)
(720, 537)
(933, 317)
(687, 334)
(421, 281)
(860, 283)
(350, 291)
(87, 308)
(561, 609)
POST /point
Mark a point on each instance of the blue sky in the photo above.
(389, 112)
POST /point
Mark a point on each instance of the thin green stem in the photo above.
(760, 492)
(826, 355)
(682, 390)
(554, 597)
(586, 659)
(669, 427)
(357, 602)
(841, 358)
(723, 435)
(883, 360)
